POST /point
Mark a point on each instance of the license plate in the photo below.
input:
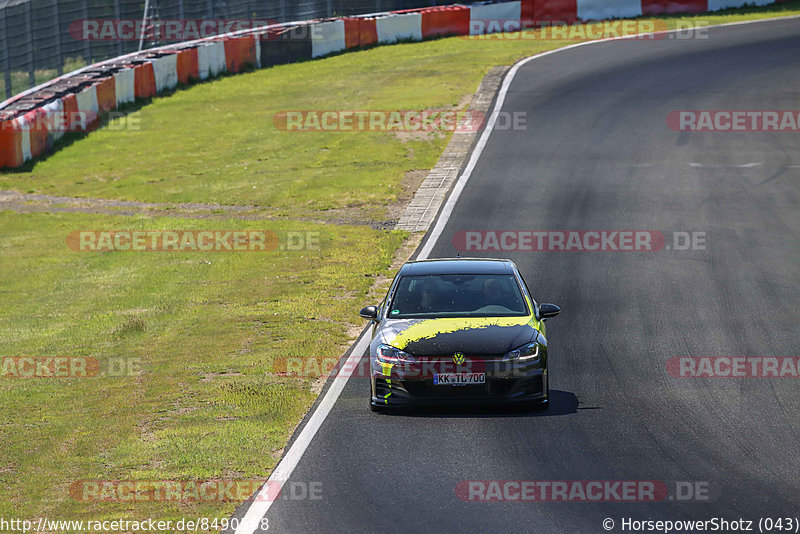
(458, 379)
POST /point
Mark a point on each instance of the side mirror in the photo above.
(548, 310)
(370, 312)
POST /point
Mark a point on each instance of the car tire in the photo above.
(545, 404)
(542, 406)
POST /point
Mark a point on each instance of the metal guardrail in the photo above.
(36, 44)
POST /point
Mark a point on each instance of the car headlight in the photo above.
(526, 353)
(389, 354)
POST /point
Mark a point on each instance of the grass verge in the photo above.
(185, 344)
(216, 141)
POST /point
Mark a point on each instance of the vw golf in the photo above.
(457, 331)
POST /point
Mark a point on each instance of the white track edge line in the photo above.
(263, 499)
(441, 221)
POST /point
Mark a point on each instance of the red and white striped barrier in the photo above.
(668, 7)
(144, 80)
(39, 132)
(24, 127)
(495, 18)
(203, 65)
(124, 88)
(607, 9)
(716, 5)
(216, 59)
(445, 20)
(54, 114)
(399, 27)
(188, 69)
(552, 10)
(106, 95)
(30, 133)
(165, 69)
(327, 38)
(240, 53)
(10, 143)
(210, 59)
(87, 107)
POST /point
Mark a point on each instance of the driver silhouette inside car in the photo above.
(493, 294)
(428, 297)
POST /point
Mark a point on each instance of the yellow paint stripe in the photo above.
(430, 328)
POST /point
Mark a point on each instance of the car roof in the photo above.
(458, 266)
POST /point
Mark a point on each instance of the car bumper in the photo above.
(520, 385)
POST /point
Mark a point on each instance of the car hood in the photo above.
(478, 336)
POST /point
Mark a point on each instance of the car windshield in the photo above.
(457, 295)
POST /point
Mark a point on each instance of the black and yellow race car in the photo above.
(457, 331)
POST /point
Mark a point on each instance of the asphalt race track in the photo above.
(597, 155)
